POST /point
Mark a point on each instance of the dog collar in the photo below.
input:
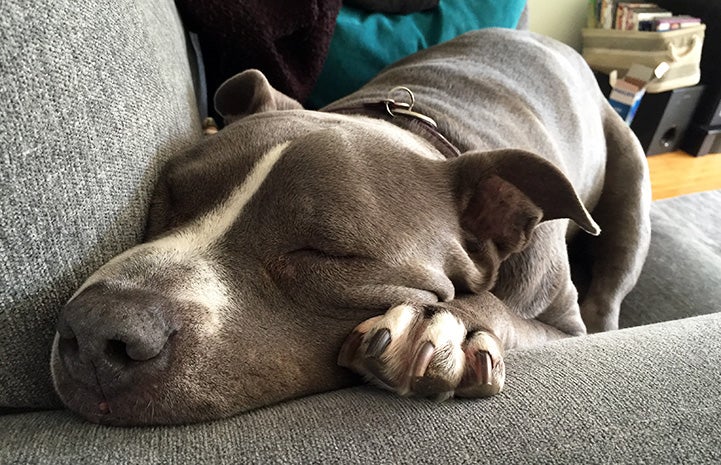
(401, 114)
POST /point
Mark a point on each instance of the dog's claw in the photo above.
(349, 349)
(423, 359)
(485, 370)
(427, 354)
(486, 367)
(378, 343)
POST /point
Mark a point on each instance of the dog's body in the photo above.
(272, 240)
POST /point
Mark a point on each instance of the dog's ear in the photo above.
(247, 93)
(504, 194)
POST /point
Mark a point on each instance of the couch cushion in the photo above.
(650, 394)
(94, 96)
(682, 274)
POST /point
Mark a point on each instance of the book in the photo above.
(592, 14)
(606, 14)
(674, 22)
(647, 14)
(623, 13)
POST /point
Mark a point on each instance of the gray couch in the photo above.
(96, 95)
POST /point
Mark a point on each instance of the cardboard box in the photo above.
(627, 92)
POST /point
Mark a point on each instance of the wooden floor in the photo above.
(678, 173)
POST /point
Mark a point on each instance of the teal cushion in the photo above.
(364, 43)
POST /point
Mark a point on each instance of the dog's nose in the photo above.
(103, 328)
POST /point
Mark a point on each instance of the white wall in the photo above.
(560, 19)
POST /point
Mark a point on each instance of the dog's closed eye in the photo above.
(317, 253)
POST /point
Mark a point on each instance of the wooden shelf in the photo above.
(679, 173)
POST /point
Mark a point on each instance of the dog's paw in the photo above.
(427, 352)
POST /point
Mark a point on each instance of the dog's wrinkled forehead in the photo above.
(290, 144)
(326, 131)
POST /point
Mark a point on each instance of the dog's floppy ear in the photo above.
(504, 194)
(247, 93)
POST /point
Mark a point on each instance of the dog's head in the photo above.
(268, 242)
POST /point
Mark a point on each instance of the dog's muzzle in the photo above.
(109, 340)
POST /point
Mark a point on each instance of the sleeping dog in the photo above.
(410, 233)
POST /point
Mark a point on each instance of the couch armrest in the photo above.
(682, 274)
(642, 395)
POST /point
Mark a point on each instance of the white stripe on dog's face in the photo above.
(201, 234)
(192, 245)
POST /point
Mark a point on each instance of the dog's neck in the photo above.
(403, 117)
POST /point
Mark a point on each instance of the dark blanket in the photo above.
(286, 39)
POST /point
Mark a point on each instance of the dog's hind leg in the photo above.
(616, 256)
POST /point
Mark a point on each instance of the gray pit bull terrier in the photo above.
(296, 244)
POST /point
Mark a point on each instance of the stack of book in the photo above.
(628, 16)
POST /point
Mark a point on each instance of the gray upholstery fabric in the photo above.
(682, 275)
(641, 395)
(94, 95)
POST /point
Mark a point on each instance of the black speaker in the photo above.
(715, 116)
(662, 119)
(701, 140)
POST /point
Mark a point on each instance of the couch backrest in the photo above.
(94, 96)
